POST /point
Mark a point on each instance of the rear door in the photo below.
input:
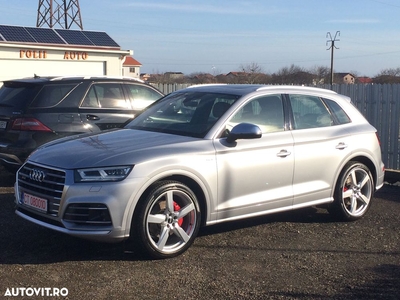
(321, 144)
(105, 106)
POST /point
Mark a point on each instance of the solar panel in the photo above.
(45, 35)
(100, 38)
(74, 37)
(37, 35)
(16, 34)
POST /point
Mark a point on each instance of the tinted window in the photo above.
(309, 112)
(17, 95)
(105, 95)
(51, 95)
(141, 96)
(339, 113)
(265, 111)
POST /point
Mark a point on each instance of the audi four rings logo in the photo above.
(37, 175)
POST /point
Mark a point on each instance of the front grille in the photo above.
(49, 187)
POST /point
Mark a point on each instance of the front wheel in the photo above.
(167, 220)
(353, 192)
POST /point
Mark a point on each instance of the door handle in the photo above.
(341, 146)
(283, 153)
(92, 118)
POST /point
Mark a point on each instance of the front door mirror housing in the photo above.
(244, 131)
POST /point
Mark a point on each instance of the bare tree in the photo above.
(388, 76)
(252, 73)
(292, 75)
(321, 74)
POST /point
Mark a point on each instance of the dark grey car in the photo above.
(36, 110)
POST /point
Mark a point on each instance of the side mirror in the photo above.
(244, 131)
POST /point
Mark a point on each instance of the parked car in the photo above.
(201, 156)
(36, 110)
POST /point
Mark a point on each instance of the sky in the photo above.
(222, 36)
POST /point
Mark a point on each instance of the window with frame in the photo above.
(141, 96)
(338, 112)
(105, 95)
(52, 94)
(266, 112)
(309, 112)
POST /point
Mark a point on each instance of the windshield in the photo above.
(184, 113)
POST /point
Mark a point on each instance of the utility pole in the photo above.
(62, 12)
(332, 47)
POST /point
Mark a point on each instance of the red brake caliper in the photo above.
(177, 208)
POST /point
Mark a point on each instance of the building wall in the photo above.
(21, 60)
(126, 71)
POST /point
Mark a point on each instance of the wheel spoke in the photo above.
(164, 235)
(181, 233)
(185, 210)
(156, 219)
(170, 200)
(364, 199)
(347, 194)
(353, 177)
(364, 181)
(353, 204)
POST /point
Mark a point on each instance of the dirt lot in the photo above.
(300, 255)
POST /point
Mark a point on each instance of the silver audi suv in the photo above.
(201, 156)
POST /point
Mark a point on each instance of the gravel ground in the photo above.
(299, 255)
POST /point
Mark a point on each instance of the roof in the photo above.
(130, 61)
(241, 89)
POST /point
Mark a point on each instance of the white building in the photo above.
(25, 51)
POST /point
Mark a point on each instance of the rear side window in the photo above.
(339, 113)
(51, 95)
(309, 112)
(105, 95)
(17, 95)
(141, 96)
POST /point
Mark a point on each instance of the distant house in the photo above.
(131, 67)
(364, 80)
(346, 78)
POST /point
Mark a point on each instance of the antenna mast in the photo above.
(62, 12)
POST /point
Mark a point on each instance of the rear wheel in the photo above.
(168, 220)
(353, 192)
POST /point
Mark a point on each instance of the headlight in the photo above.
(102, 174)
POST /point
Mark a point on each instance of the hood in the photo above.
(118, 147)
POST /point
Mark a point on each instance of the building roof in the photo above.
(131, 62)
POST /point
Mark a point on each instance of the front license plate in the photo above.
(35, 202)
(3, 124)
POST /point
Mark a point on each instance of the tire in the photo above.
(167, 220)
(353, 192)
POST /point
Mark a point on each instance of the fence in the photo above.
(379, 103)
